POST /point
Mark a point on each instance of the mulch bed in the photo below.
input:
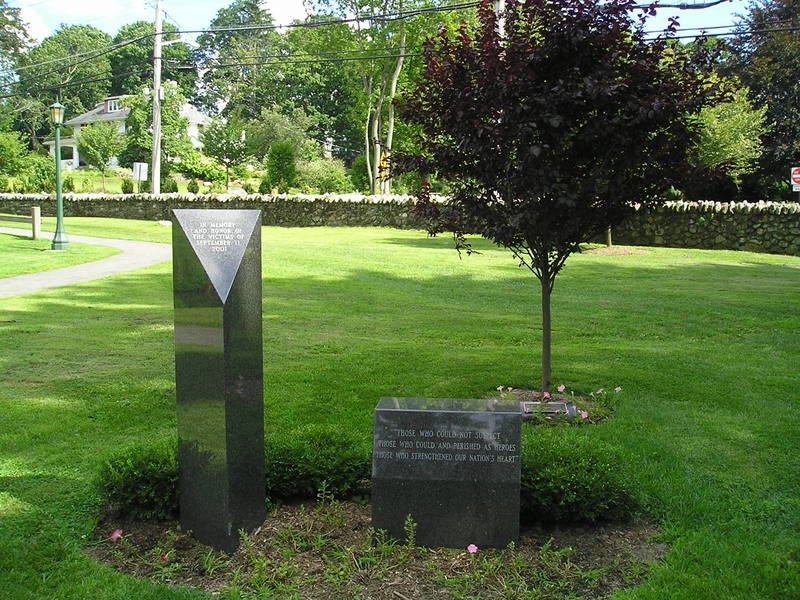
(285, 553)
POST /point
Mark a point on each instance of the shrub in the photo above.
(264, 186)
(142, 481)
(169, 185)
(127, 186)
(197, 165)
(5, 185)
(358, 174)
(38, 174)
(193, 187)
(280, 165)
(248, 187)
(569, 476)
(323, 176)
(299, 461)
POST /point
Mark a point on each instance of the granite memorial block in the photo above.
(219, 372)
(452, 465)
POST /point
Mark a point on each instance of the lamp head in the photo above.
(57, 113)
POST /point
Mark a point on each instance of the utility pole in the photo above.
(155, 167)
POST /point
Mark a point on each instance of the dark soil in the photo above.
(323, 551)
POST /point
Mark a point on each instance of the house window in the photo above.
(113, 106)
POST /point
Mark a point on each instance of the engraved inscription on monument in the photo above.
(218, 234)
(453, 465)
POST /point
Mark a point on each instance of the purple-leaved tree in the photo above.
(551, 131)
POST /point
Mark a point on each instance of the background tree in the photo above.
(42, 82)
(14, 40)
(175, 141)
(551, 133)
(388, 40)
(132, 63)
(767, 62)
(234, 86)
(99, 143)
(729, 145)
(274, 126)
(225, 141)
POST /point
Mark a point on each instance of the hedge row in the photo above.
(566, 475)
(760, 227)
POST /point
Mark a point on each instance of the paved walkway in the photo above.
(134, 255)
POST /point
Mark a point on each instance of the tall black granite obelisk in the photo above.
(219, 372)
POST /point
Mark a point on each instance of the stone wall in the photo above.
(760, 227)
(771, 227)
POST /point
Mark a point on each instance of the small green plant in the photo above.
(212, 562)
(193, 187)
(68, 185)
(127, 186)
(264, 186)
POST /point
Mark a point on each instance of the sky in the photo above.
(45, 16)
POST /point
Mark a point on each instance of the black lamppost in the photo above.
(60, 241)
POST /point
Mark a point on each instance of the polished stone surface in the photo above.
(218, 372)
(453, 465)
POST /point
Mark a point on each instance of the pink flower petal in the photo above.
(618, 389)
(510, 388)
(584, 414)
(546, 395)
(116, 535)
(499, 388)
(562, 387)
(164, 558)
(472, 548)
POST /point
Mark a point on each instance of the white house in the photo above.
(111, 110)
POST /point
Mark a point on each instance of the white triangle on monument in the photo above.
(219, 239)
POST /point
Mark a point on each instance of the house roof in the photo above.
(99, 113)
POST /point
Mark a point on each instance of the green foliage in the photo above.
(323, 176)
(358, 174)
(38, 174)
(272, 126)
(175, 143)
(193, 187)
(41, 82)
(128, 61)
(281, 168)
(197, 165)
(768, 63)
(730, 135)
(567, 475)
(169, 185)
(68, 184)
(12, 153)
(99, 143)
(264, 185)
(225, 141)
(127, 186)
(298, 462)
(235, 87)
(141, 482)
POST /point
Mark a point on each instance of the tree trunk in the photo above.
(546, 331)
(386, 187)
(103, 177)
(608, 237)
(375, 185)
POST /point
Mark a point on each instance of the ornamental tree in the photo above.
(99, 143)
(551, 131)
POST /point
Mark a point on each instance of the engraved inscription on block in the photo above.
(453, 465)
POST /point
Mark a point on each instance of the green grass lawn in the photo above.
(20, 255)
(704, 343)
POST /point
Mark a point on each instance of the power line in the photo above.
(307, 24)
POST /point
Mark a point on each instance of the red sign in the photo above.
(796, 175)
